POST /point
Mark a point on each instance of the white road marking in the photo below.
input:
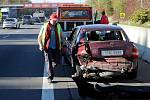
(21, 82)
(18, 42)
(47, 88)
(5, 36)
(36, 83)
(18, 31)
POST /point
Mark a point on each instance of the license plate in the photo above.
(112, 52)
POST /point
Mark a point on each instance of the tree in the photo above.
(115, 7)
(140, 16)
(101, 5)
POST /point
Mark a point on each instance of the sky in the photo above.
(58, 1)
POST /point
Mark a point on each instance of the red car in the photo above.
(101, 51)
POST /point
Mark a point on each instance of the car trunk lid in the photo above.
(117, 48)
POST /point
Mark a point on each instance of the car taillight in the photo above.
(135, 52)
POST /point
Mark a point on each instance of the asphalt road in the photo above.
(23, 75)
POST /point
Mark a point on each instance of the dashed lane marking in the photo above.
(47, 88)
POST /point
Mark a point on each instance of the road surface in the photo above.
(23, 75)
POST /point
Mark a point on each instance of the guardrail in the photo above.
(141, 37)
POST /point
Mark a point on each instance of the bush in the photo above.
(140, 16)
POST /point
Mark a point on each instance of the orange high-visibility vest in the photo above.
(46, 34)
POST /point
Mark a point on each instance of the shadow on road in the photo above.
(111, 92)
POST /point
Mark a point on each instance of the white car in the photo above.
(11, 23)
(27, 19)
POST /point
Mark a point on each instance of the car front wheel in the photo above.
(78, 70)
(18, 26)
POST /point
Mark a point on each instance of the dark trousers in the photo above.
(54, 55)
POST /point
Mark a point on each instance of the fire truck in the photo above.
(72, 15)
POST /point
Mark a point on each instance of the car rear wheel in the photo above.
(133, 74)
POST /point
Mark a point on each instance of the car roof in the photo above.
(105, 27)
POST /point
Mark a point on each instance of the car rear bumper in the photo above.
(9, 25)
(111, 64)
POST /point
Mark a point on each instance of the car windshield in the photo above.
(9, 20)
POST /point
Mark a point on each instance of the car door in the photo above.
(70, 43)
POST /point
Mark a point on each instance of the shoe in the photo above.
(49, 80)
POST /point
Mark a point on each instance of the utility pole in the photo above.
(141, 4)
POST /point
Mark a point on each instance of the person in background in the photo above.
(104, 18)
(50, 40)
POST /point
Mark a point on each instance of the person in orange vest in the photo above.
(104, 18)
(50, 40)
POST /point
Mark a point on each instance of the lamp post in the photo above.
(141, 4)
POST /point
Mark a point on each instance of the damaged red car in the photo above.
(101, 51)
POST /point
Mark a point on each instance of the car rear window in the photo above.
(103, 35)
(113, 35)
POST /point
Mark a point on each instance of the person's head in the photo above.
(53, 18)
(103, 12)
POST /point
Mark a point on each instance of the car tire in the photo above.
(83, 87)
(31, 23)
(132, 74)
(67, 59)
(78, 70)
(18, 26)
